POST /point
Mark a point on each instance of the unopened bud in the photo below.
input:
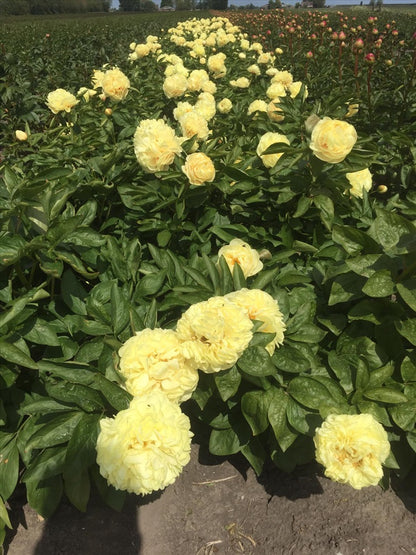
(108, 111)
(310, 123)
(382, 189)
(20, 135)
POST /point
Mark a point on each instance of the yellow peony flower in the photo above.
(115, 84)
(175, 85)
(20, 135)
(196, 79)
(97, 78)
(155, 145)
(360, 181)
(294, 89)
(214, 334)
(240, 83)
(224, 106)
(332, 140)
(199, 168)
(145, 447)
(269, 138)
(153, 360)
(61, 100)
(192, 123)
(254, 69)
(274, 112)
(261, 306)
(283, 77)
(257, 106)
(352, 448)
(239, 252)
(216, 65)
(275, 90)
(352, 110)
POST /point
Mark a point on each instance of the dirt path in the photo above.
(213, 508)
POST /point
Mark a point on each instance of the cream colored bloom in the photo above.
(261, 306)
(115, 84)
(196, 79)
(352, 110)
(97, 78)
(294, 89)
(224, 106)
(275, 90)
(239, 252)
(360, 181)
(142, 50)
(20, 135)
(153, 360)
(192, 123)
(155, 145)
(145, 447)
(216, 65)
(274, 112)
(61, 100)
(352, 448)
(86, 93)
(254, 69)
(175, 85)
(181, 109)
(332, 140)
(199, 168)
(214, 334)
(209, 86)
(257, 106)
(240, 83)
(283, 77)
(269, 138)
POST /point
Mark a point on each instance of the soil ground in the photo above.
(217, 507)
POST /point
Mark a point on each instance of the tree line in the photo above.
(35, 7)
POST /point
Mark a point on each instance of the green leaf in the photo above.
(41, 332)
(120, 314)
(393, 230)
(48, 463)
(4, 516)
(408, 368)
(255, 453)
(380, 284)
(326, 209)
(290, 359)
(150, 284)
(213, 273)
(73, 294)
(44, 495)
(407, 329)
(11, 249)
(226, 279)
(264, 278)
(115, 395)
(113, 498)
(83, 396)
(227, 382)
(311, 393)
(57, 430)
(238, 277)
(385, 395)
(13, 354)
(380, 375)
(9, 469)
(354, 240)
(277, 418)
(346, 287)
(256, 361)
(81, 454)
(198, 277)
(407, 291)
(254, 406)
(228, 442)
(307, 333)
(404, 415)
(296, 416)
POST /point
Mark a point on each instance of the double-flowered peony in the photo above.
(261, 306)
(332, 140)
(155, 145)
(239, 252)
(153, 360)
(199, 168)
(267, 140)
(145, 447)
(61, 100)
(360, 181)
(352, 448)
(214, 334)
(115, 84)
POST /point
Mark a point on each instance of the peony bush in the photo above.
(201, 244)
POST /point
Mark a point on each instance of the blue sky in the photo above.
(293, 2)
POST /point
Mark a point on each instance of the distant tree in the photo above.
(148, 6)
(372, 4)
(274, 4)
(379, 4)
(219, 4)
(129, 5)
(184, 5)
(166, 4)
(318, 3)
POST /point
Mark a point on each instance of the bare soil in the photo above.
(219, 506)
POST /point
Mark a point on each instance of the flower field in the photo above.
(207, 232)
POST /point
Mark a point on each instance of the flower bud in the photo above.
(310, 123)
(20, 135)
(108, 111)
(382, 189)
(370, 58)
